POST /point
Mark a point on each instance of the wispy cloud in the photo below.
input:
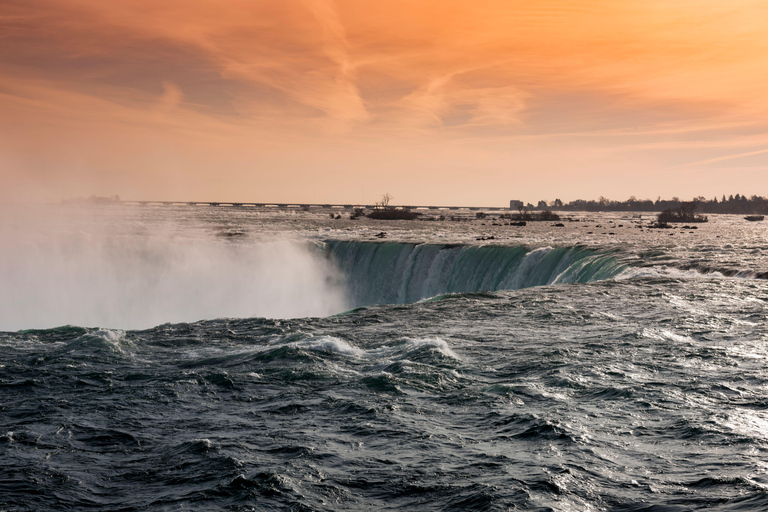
(724, 158)
(570, 77)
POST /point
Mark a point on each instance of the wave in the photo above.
(398, 273)
(707, 268)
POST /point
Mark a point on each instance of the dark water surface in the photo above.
(640, 394)
(597, 366)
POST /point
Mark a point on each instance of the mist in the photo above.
(100, 268)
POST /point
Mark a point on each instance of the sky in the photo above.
(443, 102)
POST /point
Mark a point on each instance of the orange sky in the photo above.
(432, 101)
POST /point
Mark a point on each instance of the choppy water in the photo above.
(631, 376)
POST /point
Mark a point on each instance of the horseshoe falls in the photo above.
(188, 358)
(397, 273)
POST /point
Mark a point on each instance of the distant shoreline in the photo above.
(737, 205)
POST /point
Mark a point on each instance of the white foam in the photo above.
(437, 343)
(665, 335)
(662, 271)
(110, 335)
(113, 340)
(330, 344)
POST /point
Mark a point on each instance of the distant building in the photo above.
(514, 204)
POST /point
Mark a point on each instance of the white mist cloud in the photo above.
(88, 272)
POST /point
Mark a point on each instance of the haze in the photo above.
(434, 102)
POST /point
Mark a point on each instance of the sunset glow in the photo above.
(435, 102)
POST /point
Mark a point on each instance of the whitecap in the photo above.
(437, 343)
(113, 340)
(331, 344)
(665, 335)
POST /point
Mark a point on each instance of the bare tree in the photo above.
(385, 200)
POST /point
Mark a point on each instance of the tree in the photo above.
(684, 212)
(384, 201)
(523, 212)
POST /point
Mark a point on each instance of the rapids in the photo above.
(226, 359)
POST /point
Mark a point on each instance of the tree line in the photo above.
(737, 204)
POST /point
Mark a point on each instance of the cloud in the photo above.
(279, 85)
(480, 62)
(724, 158)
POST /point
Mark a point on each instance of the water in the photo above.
(548, 369)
